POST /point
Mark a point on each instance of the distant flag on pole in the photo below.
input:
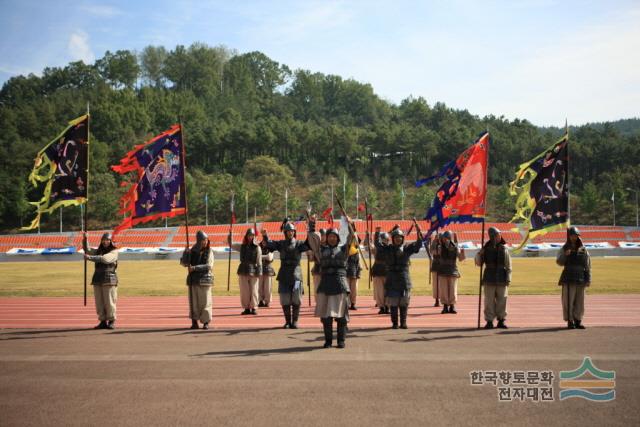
(158, 188)
(233, 209)
(462, 197)
(542, 190)
(62, 166)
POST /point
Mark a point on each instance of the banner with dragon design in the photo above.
(158, 190)
(462, 196)
(62, 165)
(542, 190)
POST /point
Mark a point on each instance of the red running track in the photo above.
(172, 312)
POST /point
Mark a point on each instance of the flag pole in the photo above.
(486, 178)
(308, 212)
(86, 203)
(566, 132)
(366, 217)
(184, 182)
(231, 235)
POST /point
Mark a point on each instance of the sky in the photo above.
(542, 60)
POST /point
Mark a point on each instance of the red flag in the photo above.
(327, 213)
(370, 217)
(361, 207)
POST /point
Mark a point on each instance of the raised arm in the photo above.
(108, 258)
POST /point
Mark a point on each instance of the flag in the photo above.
(327, 213)
(461, 198)
(63, 166)
(158, 189)
(361, 207)
(541, 187)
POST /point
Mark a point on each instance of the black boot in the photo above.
(205, 325)
(327, 326)
(579, 324)
(403, 317)
(246, 311)
(342, 331)
(394, 317)
(294, 317)
(445, 309)
(353, 307)
(194, 324)
(111, 324)
(261, 304)
(488, 325)
(570, 325)
(437, 304)
(253, 311)
(382, 310)
(452, 309)
(286, 309)
(101, 325)
(501, 324)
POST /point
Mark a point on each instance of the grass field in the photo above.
(531, 276)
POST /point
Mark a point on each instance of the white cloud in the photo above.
(100, 10)
(79, 48)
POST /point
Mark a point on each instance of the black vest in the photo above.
(249, 260)
(333, 268)
(448, 263)
(576, 268)
(200, 277)
(105, 274)
(494, 268)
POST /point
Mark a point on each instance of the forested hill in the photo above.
(254, 125)
(626, 127)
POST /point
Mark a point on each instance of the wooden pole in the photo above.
(86, 203)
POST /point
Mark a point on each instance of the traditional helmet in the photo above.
(288, 227)
(107, 236)
(201, 236)
(447, 235)
(493, 231)
(573, 231)
(384, 236)
(334, 231)
(397, 232)
(250, 231)
(323, 231)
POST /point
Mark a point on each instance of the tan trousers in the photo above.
(264, 288)
(378, 290)
(248, 291)
(353, 288)
(573, 302)
(106, 297)
(448, 289)
(495, 302)
(200, 303)
(434, 285)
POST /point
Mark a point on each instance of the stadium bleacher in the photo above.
(175, 236)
